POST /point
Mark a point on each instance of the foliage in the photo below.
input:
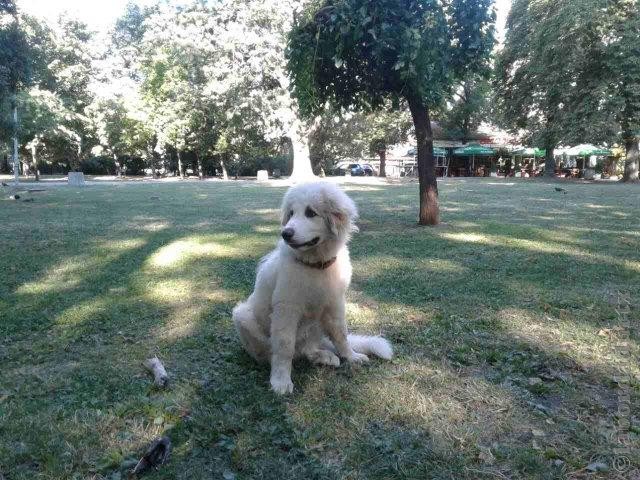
(359, 54)
(469, 107)
(98, 165)
(15, 54)
(353, 135)
(549, 76)
(622, 83)
(569, 72)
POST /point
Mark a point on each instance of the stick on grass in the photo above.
(154, 365)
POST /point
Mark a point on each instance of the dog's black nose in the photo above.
(287, 234)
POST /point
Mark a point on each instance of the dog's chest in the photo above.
(326, 289)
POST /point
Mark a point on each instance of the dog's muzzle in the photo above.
(310, 243)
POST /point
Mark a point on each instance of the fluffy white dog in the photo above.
(297, 308)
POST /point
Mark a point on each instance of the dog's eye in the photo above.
(290, 213)
(310, 213)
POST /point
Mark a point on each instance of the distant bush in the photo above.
(133, 165)
(250, 166)
(100, 165)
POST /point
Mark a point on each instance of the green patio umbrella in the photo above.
(588, 150)
(529, 152)
(437, 152)
(474, 150)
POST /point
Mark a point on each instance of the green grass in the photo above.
(504, 322)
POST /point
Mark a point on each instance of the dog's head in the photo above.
(316, 213)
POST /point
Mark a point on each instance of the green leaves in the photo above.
(562, 76)
(384, 50)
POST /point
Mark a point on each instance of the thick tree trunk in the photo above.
(429, 209)
(383, 163)
(153, 155)
(632, 160)
(180, 170)
(117, 164)
(225, 174)
(302, 170)
(549, 161)
(151, 160)
(16, 162)
(200, 171)
(34, 161)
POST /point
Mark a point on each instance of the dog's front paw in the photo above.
(358, 358)
(281, 386)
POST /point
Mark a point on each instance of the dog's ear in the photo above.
(340, 214)
(285, 215)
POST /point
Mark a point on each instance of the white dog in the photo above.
(297, 308)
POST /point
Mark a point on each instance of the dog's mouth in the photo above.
(310, 243)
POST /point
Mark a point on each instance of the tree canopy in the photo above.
(362, 55)
(568, 73)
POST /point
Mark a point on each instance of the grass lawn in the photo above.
(515, 325)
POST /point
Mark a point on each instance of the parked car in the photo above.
(345, 168)
(369, 169)
(354, 169)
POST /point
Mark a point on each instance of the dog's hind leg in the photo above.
(254, 341)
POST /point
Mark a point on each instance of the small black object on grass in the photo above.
(14, 197)
(157, 454)
(558, 189)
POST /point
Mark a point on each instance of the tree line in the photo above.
(239, 85)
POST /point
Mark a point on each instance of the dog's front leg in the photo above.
(335, 325)
(284, 327)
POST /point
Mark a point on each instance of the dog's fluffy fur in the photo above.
(297, 308)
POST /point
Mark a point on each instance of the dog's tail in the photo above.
(371, 345)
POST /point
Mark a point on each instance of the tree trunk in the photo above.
(549, 161)
(117, 164)
(632, 160)
(180, 170)
(34, 158)
(153, 155)
(301, 158)
(225, 174)
(429, 210)
(200, 172)
(16, 162)
(383, 163)
(151, 161)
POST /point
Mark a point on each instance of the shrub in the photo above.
(100, 165)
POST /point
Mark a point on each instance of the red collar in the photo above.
(319, 265)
